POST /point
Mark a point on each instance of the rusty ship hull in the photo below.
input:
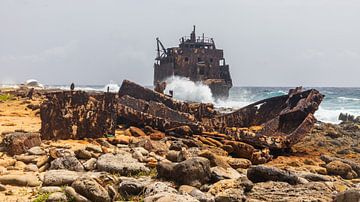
(196, 58)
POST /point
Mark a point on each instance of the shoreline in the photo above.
(152, 155)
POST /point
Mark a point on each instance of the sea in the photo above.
(337, 100)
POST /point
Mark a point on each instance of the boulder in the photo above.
(90, 164)
(36, 151)
(196, 193)
(242, 184)
(195, 171)
(131, 186)
(215, 160)
(122, 163)
(76, 196)
(238, 162)
(20, 180)
(220, 173)
(165, 197)
(67, 163)
(230, 195)
(57, 197)
(137, 132)
(50, 189)
(157, 135)
(19, 143)
(264, 173)
(59, 177)
(340, 168)
(158, 187)
(348, 195)
(83, 154)
(91, 189)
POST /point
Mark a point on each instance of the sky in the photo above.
(265, 42)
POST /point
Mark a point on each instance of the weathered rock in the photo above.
(265, 173)
(282, 191)
(94, 148)
(194, 171)
(230, 195)
(242, 184)
(158, 187)
(133, 187)
(90, 164)
(50, 189)
(220, 173)
(20, 180)
(57, 197)
(2, 187)
(354, 166)
(36, 151)
(173, 156)
(83, 154)
(59, 177)
(315, 177)
(60, 152)
(340, 168)
(77, 197)
(215, 160)
(31, 167)
(170, 197)
(238, 162)
(122, 163)
(157, 135)
(196, 193)
(19, 143)
(91, 189)
(153, 146)
(68, 163)
(137, 132)
(348, 195)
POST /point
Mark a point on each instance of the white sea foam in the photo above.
(113, 87)
(332, 115)
(187, 90)
(348, 99)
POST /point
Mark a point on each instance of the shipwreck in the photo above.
(251, 132)
(196, 58)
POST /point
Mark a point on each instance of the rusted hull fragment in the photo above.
(273, 123)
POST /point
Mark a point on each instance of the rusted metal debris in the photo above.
(273, 123)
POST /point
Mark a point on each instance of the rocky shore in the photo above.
(145, 164)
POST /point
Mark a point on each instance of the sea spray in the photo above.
(184, 89)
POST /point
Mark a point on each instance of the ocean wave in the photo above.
(332, 116)
(187, 90)
(349, 99)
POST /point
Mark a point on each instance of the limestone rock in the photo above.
(59, 177)
(91, 189)
(196, 193)
(36, 151)
(158, 187)
(195, 171)
(137, 132)
(57, 197)
(122, 163)
(348, 195)
(20, 180)
(264, 173)
(77, 197)
(220, 173)
(340, 168)
(68, 163)
(242, 184)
